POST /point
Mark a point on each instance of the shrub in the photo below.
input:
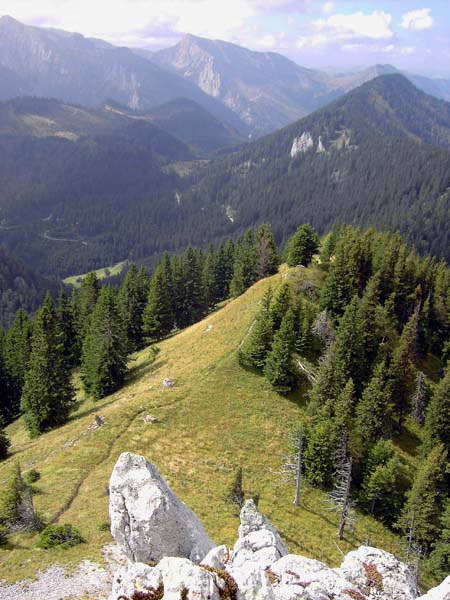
(106, 526)
(59, 535)
(4, 445)
(32, 476)
(9, 505)
(3, 536)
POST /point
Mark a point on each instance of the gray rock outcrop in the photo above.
(148, 521)
(302, 144)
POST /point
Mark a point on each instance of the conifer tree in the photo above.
(82, 303)
(209, 278)
(282, 303)
(158, 317)
(132, 300)
(374, 411)
(4, 444)
(440, 556)
(244, 266)
(437, 424)
(279, 369)
(16, 352)
(104, 358)
(194, 302)
(235, 494)
(419, 519)
(257, 345)
(318, 455)
(401, 372)
(301, 247)
(48, 394)
(67, 326)
(267, 260)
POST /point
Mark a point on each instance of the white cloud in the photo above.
(417, 20)
(312, 41)
(327, 8)
(374, 26)
(377, 48)
(122, 20)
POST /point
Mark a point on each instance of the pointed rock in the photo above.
(147, 520)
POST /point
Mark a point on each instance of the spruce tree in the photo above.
(374, 411)
(282, 303)
(437, 424)
(4, 444)
(318, 455)
(419, 519)
(244, 266)
(301, 247)
(440, 556)
(158, 317)
(257, 345)
(132, 300)
(104, 358)
(67, 326)
(194, 301)
(48, 395)
(82, 304)
(267, 260)
(279, 370)
(16, 352)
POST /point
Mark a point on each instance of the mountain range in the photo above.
(254, 92)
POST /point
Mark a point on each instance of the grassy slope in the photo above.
(102, 273)
(217, 417)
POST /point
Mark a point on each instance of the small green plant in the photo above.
(59, 535)
(106, 526)
(154, 351)
(32, 476)
(9, 505)
(235, 493)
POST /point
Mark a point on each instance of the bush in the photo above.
(10, 500)
(106, 526)
(3, 536)
(59, 535)
(32, 476)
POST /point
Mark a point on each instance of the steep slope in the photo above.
(363, 159)
(53, 63)
(265, 89)
(215, 418)
(189, 122)
(19, 287)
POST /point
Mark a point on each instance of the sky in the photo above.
(342, 34)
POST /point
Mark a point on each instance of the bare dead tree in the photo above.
(323, 329)
(340, 496)
(420, 399)
(292, 465)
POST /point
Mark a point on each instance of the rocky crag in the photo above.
(171, 557)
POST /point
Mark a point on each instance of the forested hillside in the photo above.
(376, 156)
(343, 357)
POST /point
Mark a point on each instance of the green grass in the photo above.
(216, 418)
(102, 273)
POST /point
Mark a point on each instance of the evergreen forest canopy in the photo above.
(98, 187)
(365, 329)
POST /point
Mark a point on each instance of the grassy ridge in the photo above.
(217, 417)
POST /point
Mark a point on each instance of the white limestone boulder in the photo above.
(299, 577)
(441, 592)
(135, 577)
(217, 558)
(252, 519)
(379, 574)
(148, 521)
(302, 144)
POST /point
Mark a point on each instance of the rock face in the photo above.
(302, 144)
(147, 520)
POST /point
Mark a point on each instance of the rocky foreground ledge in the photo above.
(172, 558)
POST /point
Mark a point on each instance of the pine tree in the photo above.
(104, 359)
(318, 454)
(301, 247)
(419, 519)
(267, 260)
(437, 424)
(132, 300)
(279, 370)
(67, 326)
(194, 301)
(257, 345)
(374, 411)
(244, 266)
(17, 349)
(402, 373)
(158, 317)
(48, 395)
(4, 444)
(282, 303)
(82, 304)
(440, 556)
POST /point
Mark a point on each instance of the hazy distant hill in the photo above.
(68, 66)
(377, 155)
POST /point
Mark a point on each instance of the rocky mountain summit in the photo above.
(151, 524)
